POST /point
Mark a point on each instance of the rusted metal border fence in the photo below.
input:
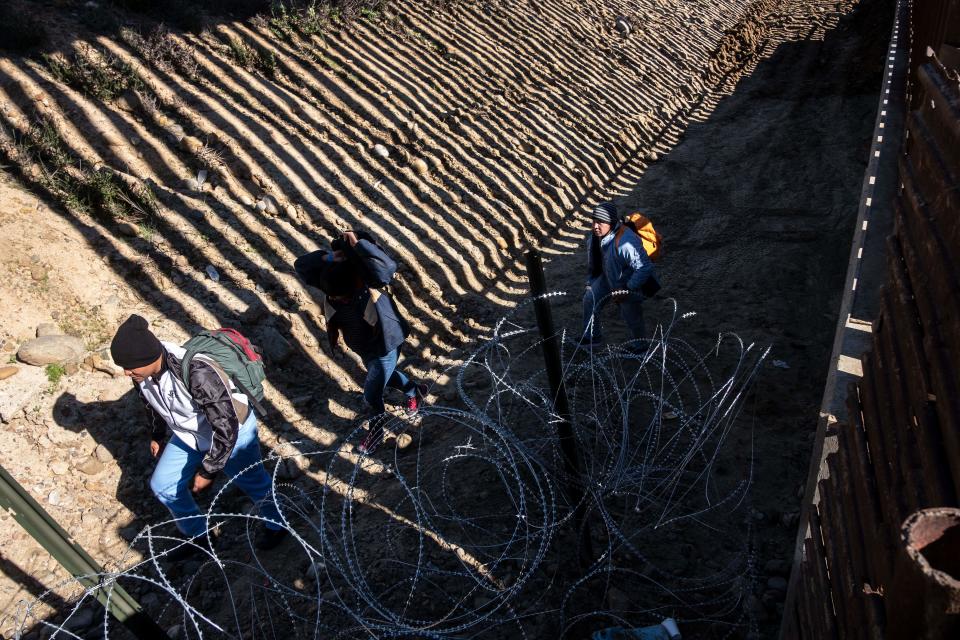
(878, 560)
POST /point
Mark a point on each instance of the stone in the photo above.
(275, 346)
(90, 518)
(6, 372)
(128, 229)
(128, 101)
(17, 392)
(292, 212)
(420, 166)
(246, 201)
(261, 205)
(191, 144)
(51, 349)
(60, 468)
(104, 366)
(622, 25)
(38, 272)
(53, 498)
(91, 466)
(48, 329)
(103, 454)
(652, 156)
(271, 205)
(71, 368)
(381, 151)
(502, 243)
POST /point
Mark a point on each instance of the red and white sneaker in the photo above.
(414, 402)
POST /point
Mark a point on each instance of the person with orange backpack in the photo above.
(619, 268)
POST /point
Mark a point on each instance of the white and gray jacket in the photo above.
(206, 417)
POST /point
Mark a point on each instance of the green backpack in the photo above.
(235, 355)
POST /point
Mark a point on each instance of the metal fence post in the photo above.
(561, 405)
(44, 529)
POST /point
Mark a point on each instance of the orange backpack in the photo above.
(641, 225)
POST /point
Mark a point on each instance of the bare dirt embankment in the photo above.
(457, 135)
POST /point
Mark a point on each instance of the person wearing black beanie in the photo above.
(134, 347)
(202, 425)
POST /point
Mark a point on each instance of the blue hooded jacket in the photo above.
(626, 264)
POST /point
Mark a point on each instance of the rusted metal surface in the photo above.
(868, 499)
(900, 445)
(843, 479)
(931, 21)
(882, 556)
(882, 455)
(819, 588)
(849, 607)
(941, 367)
(941, 109)
(919, 389)
(924, 599)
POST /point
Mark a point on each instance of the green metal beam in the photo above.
(44, 529)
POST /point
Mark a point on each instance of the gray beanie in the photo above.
(605, 212)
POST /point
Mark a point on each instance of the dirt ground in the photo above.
(742, 130)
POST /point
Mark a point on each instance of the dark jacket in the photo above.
(213, 403)
(375, 270)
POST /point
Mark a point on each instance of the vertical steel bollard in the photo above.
(561, 405)
(45, 530)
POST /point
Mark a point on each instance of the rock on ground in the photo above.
(51, 349)
(274, 345)
(18, 391)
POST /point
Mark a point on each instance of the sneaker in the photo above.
(414, 402)
(269, 538)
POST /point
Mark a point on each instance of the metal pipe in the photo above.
(561, 404)
(44, 529)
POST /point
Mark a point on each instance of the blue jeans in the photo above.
(382, 372)
(596, 297)
(173, 477)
